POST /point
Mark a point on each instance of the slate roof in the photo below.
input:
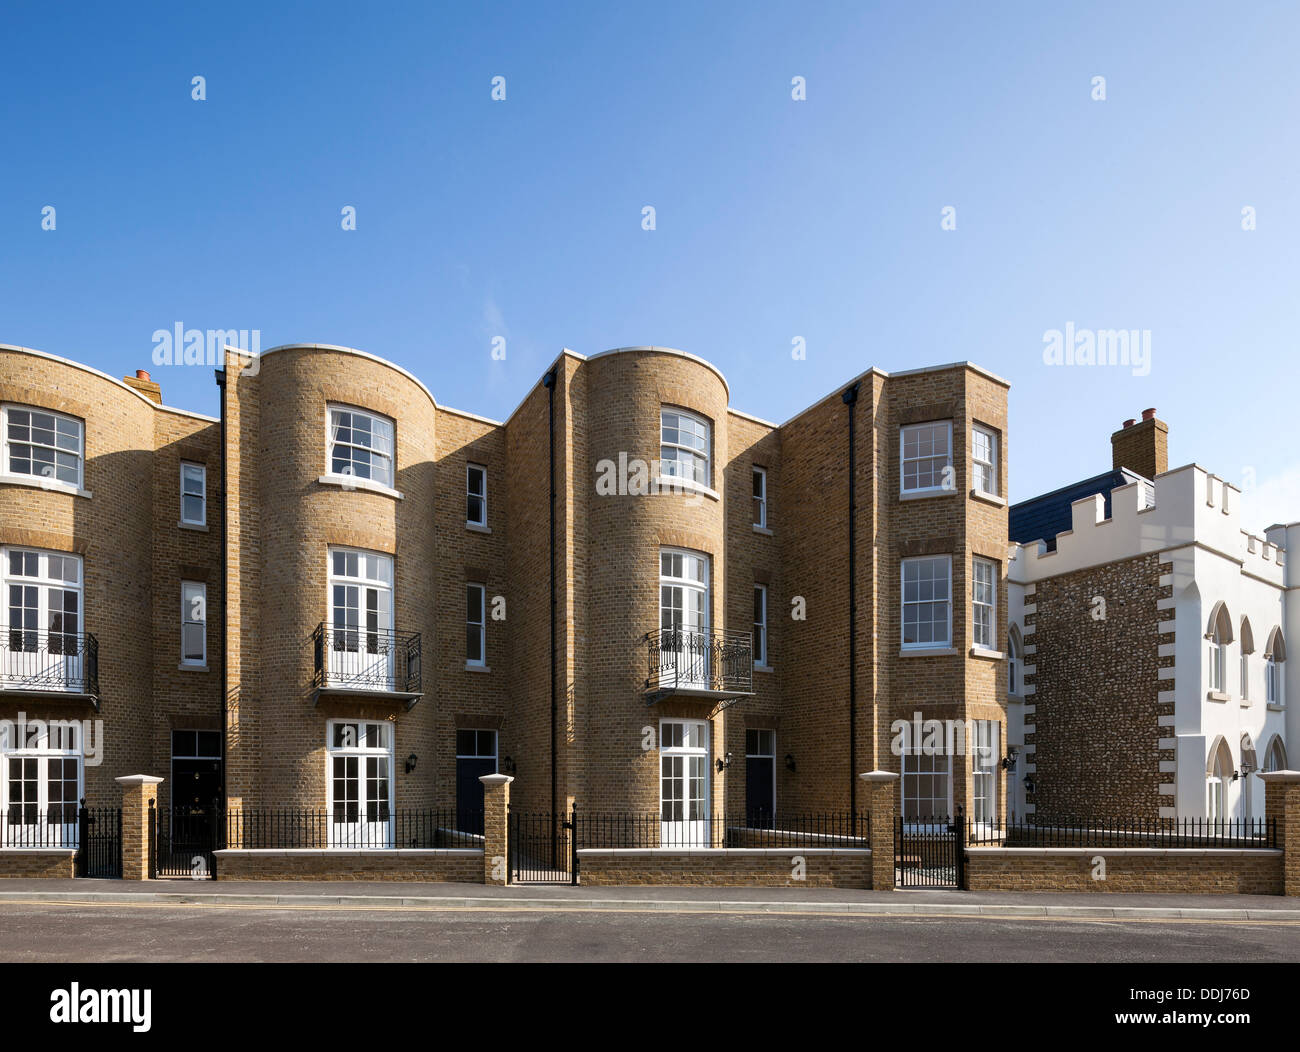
(1042, 518)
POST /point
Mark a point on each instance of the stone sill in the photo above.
(476, 527)
(988, 498)
(928, 652)
(764, 668)
(192, 668)
(923, 494)
(195, 526)
(355, 482)
(990, 655)
(470, 667)
(350, 852)
(1273, 706)
(47, 484)
(717, 852)
(1178, 852)
(1217, 695)
(674, 486)
(763, 530)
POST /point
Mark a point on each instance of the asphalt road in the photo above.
(59, 933)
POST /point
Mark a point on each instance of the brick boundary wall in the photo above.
(57, 862)
(724, 867)
(435, 865)
(1152, 870)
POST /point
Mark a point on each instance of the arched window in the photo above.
(1248, 764)
(1218, 775)
(1015, 664)
(1247, 648)
(1219, 633)
(1274, 656)
(1275, 755)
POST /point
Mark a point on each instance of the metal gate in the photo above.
(184, 839)
(542, 848)
(928, 852)
(99, 842)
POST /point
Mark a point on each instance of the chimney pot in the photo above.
(142, 374)
(1148, 414)
(1129, 423)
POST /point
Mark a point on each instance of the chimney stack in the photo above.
(147, 387)
(1142, 447)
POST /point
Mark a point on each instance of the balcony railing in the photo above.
(689, 659)
(368, 661)
(49, 662)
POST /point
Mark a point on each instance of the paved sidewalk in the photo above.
(564, 898)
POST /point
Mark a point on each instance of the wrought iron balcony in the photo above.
(712, 663)
(361, 661)
(50, 663)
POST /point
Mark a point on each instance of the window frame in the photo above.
(187, 605)
(470, 495)
(977, 563)
(481, 589)
(385, 807)
(904, 603)
(760, 500)
(64, 831)
(912, 778)
(44, 583)
(202, 495)
(991, 464)
(330, 442)
(53, 481)
(903, 458)
(985, 768)
(760, 626)
(1272, 680)
(692, 828)
(706, 456)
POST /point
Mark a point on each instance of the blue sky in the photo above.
(775, 218)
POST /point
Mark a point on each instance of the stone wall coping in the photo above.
(350, 852)
(8, 852)
(879, 776)
(1285, 777)
(493, 780)
(138, 779)
(717, 852)
(1179, 852)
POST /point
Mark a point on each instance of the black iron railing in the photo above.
(49, 661)
(670, 828)
(353, 826)
(357, 659)
(24, 825)
(691, 659)
(1127, 832)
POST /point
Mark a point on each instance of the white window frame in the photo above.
(669, 468)
(1245, 676)
(1218, 664)
(52, 481)
(905, 603)
(691, 829)
(694, 654)
(16, 830)
(192, 614)
(356, 660)
(362, 831)
(986, 756)
(990, 464)
(760, 498)
(202, 494)
(1272, 680)
(35, 658)
(481, 625)
(471, 495)
(760, 626)
(904, 459)
(939, 764)
(389, 456)
(1015, 665)
(987, 606)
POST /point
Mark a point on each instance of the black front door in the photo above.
(476, 755)
(760, 778)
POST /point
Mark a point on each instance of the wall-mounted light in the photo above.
(1029, 784)
(1009, 761)
(411, 761)
(789, 761)
(508, 765)
(724, 763)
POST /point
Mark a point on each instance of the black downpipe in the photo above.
(548, 381)
(225, 592)
(850, 398)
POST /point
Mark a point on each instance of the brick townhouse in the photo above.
(1148, 643)
(342, 596)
